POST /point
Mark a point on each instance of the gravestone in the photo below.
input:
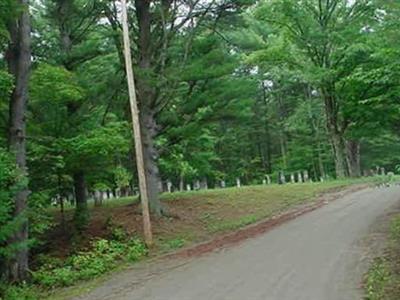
(299, 177)
(238, 182)
(204, 184)
(169, 186)
(196, 185)
(292, 178)
(281, 178)
(305, 175)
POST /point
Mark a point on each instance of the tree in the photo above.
(325, 32)
(19, 62)
(159, 30)
(11, 182)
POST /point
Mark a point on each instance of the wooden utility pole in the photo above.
(136, 128)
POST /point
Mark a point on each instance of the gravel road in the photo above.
(318, 256)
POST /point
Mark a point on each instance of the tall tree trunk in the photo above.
(353, 158)
(336, 136)
(340, 164)
(64, 11)
(150, 155)
(81, 211)
(147, 99)
(321, 162)
(282, 143)
(19, 62)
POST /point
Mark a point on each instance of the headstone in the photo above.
(383, 171)
(196, 185)
(188, 187)
(282, 179)
(299, 178)
(391, 176)
(97, 198)
(223, 184)
(204, 184)
(169, 186)
(305, 175)
(238, 182)
(292, 178)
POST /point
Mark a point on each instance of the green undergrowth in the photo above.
(383, 278)
(103, 256)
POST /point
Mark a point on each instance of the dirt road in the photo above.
(317, 256)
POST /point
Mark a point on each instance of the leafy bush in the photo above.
(40, 218)
(85, 265)
(11, 181)
(18, 292)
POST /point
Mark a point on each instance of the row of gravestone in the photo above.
(298, 177)
(294, 177)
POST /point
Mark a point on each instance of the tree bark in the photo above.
(150, 155)
(353, 158)
(336, 136)
(19, 62)
(81, 210)
(337, 145)
(147, 99)
(320, 162)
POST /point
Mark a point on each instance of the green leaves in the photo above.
(55, 86)
(103, 257)
(11, 181)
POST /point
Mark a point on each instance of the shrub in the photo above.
(89, 264)
(11, 181)
(18, 292)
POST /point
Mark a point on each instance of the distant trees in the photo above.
(332, 43)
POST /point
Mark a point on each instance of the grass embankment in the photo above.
(383, 278)
(196, 216)
(199, 215)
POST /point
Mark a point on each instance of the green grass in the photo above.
(383, 278)
(232, 224)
